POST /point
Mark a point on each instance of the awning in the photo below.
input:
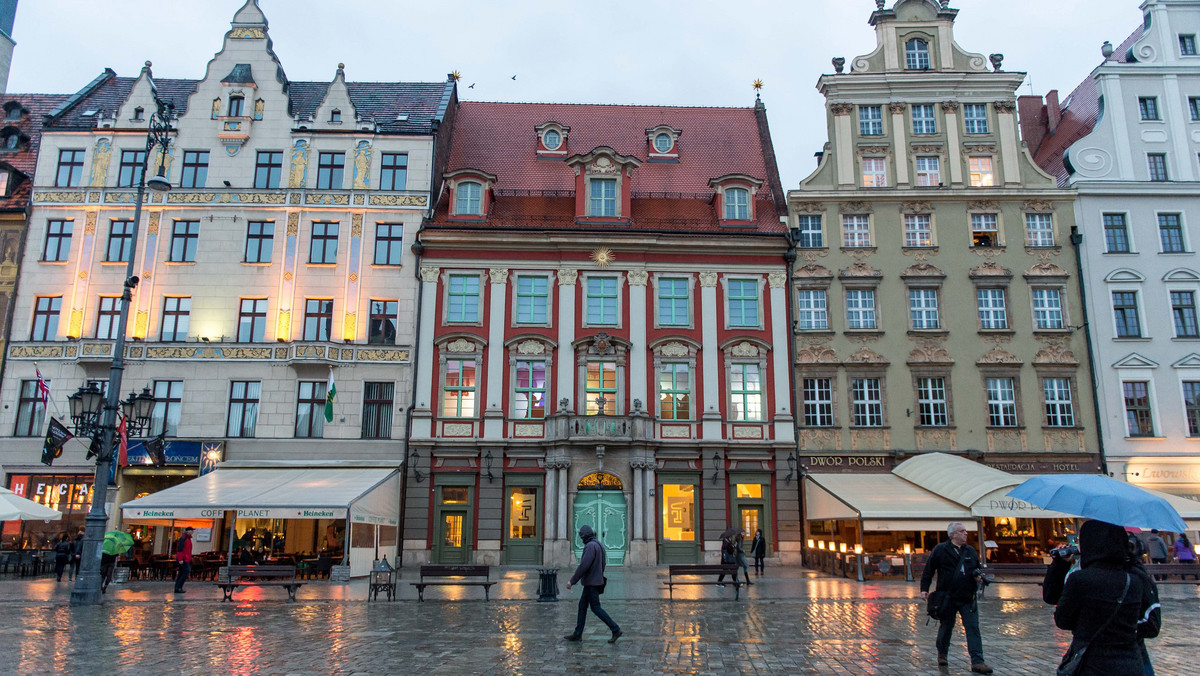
(1189, 509)
(971, 484)
(883, 501)
(367, 495)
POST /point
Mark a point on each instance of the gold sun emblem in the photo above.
(603, 256)
(758, 85)
(456, 75)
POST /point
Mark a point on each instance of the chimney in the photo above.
(1053, 110)
(1031, 115)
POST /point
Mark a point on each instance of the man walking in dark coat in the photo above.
(957, 567)
(591, 573)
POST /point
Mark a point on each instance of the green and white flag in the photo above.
(330, 393)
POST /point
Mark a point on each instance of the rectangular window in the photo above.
(1187, 45)
(260, 240)
(818, 402)
(195, 169)
(808, 231)
(185, 237)
(985, 230)
(1157, 165)
(980, 170)
(318, 319)
(975, 118)
(168, 404)
(743, 302)
(1002, 402)
(602, 300)
(389, 239)
(468, 199)
(602, 202)
(463, 298)
(931, 402)
(1047, 309)
(1183, 309)
(330, 167)
(1116, 235)
(870, 120)
(45, 317)
(1137, 408)
(1191, 403)
(393, 172)
(1125, 312)
(600, 388)
(377, 410)
(1148, 107)
(745, 386)
(130, 173)
(1194, 107)
(1170, 233)
(252, 320)
(856, 231)
(811, 310)
(1060, 411)
(929, 172)
(31, 412)
(108, 314)
(382, 328)
(243, 408)
(918, 230)
(322, 250)
(923, 119)
(673, 302)
(58, 241)
(860, 309)
(1039, 230)
(268, 167)
(310, 410)
(993, 315)
(737, 204)
(923, 309)
(867, 402)
(874, 172)
(533, 297)
(529, 394)
(458, 389)
(120, 242)
(70, 169)
(674, 392)
(176, 317)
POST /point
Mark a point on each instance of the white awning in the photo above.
(368, 495)
(1189, 509)
(954, 477)
(883, 501)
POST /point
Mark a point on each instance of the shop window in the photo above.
(522, 514)
(452, 530)
(679, 512)
(749, 491)
(455, 495)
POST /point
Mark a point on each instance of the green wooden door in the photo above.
(606, 513)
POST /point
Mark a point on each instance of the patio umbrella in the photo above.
(16, 508)
(1093, 496)
(117, 542)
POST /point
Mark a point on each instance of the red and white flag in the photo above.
(123, 434)
(43, 387)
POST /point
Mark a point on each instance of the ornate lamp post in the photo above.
(100, 421)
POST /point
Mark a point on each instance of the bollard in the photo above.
(547, 584)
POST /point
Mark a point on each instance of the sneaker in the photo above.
(943, 661)
(749, 582)
(616, 635)
(721, 585)
(572, 637)
(981, 668)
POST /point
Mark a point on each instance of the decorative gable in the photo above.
(1135, 361)
(1182, 275)
(602, 184)
(552, 139)
(662, 143)
(1191, 361)
(1124, 275)
(336, 110)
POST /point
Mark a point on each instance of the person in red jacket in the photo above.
(183, 554)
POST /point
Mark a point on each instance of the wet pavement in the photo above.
(791, 621)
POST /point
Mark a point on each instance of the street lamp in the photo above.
(102, 422)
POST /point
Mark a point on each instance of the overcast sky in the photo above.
(666, 52)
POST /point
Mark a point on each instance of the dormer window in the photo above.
(335, 116)
(468, 199)
(552, 140)
(602, 183)
(12, 141)
(916, 54)
(737, 204)
(470, 193)
(663, 143)
(602, 197)
(236, 104)
(139, 114)
(734, 199)
(13, 111)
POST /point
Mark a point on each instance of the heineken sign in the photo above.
(242, 513)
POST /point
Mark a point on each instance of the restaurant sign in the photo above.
(848, 463)
(1086, 465)
(242, 513)
(1162, 473)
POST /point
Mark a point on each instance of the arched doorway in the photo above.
(600, 503)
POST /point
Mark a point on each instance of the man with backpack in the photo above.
(958, 577)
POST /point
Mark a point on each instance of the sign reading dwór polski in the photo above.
(242, 513)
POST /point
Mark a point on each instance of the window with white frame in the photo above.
(746, 393)
(1001, 402)
(1170, 233)
(856, 230)
(874, 172)
(533, 295)
(1191, 404)
(860, 309)
(602, 197)
(1047, 309)
(929, 172)
(674, 392)
(931, 402)
(1039, 230)
(980, 172)
(993, 313)
(985, 230)
(468, 199)
(458, 388)
(866, 396)
(975, 118)
(811, 311)
(870, 120)
(529, 390)
(1060, 410)
(737, 204)
(673, 302)
(1125, 314)
(808, 231)
(743, 302)
(601, 300)
(918, 230)
(923, 309)
(463, 299)
(1157, 165)
(818, 402)
(1148, 108)
(916, 54)
(1116, 234)
(1183, 310)
(1139, 418)
(1187, 44)
(924, 119)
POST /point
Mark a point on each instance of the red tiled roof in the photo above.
(25, 159)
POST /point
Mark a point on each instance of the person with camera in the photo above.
(957, 567)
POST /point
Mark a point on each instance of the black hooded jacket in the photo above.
(591, 562)
(1089, 598)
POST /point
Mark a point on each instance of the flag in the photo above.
(43, 388)
(123, 436)
(156, 448)
(56, 435)
(330, 393)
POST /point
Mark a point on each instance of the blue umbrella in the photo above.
(1093, 496)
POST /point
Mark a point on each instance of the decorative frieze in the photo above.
(567, 276)
(177, 197)
(637, 277)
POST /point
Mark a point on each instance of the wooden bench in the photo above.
(1026, 569)
(259, 576)
(730, 569)
(1183, 570)
(444, 573)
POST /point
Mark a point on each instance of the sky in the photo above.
(657, 52)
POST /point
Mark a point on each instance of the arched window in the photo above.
(916, 54)
(12, 141)
(737, 204)
(468, 199)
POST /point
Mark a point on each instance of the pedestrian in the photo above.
(76, 555)
(758, 549)
(1156, 549)
(63, 549)
(1184, 553)
(591, 574)
(1110, 604)
(956, 565)
(108, 564)
(740, 556)
(183, 555)
(728, 556)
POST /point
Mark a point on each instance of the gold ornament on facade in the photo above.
(327, 200)
(152, 227)
(101, 157)
(245, 33)
(293, 223)
(356, 221)
(353, 277)
(603, 256)
(758, 85)
(226, 198)
(89, 223)
(383, 355)
(60, 196)
(398, 200)
(287, 276)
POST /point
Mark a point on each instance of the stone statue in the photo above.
(839, 64)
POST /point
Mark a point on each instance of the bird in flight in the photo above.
(514, 77)
(472, 86)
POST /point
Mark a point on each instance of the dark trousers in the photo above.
(759, 565)
(591, 598)
(1154, 560)
(60, 564)
(970, 621)
(185, 569)
(78, 559)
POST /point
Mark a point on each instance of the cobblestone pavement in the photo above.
(791, 622)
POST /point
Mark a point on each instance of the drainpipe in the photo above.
(1076, 241)
(789, 258)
